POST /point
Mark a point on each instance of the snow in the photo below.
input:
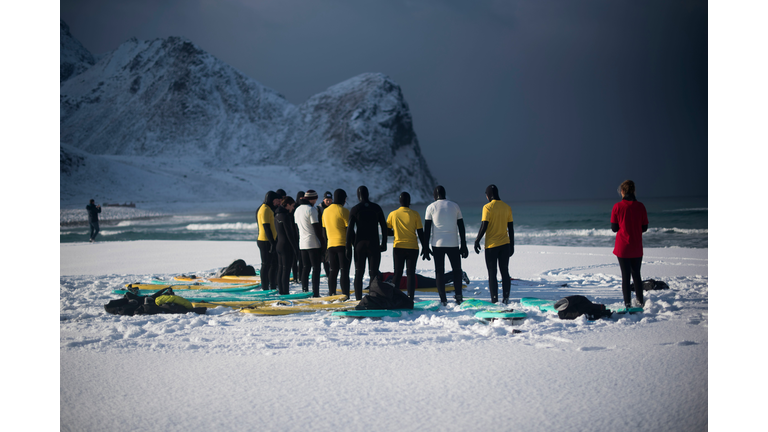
(442, 370)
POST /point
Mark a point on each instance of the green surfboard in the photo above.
(428, 305)
(508, 315)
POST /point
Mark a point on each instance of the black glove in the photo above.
(425, 252)
(464, 252)
(271, 248)
(349, 253)
(512, 250)
(383, 247)
(477, 246)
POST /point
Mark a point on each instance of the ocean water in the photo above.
(674, 222)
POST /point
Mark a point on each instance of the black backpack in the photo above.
(134, 304)
(238, 268)
(652, 285)
(383, 295)
(572, 307)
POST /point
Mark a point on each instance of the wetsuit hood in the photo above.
(339, 197)
(269, 197)
(362, 194)
(405, 199)
(492, 192)
(439, 193)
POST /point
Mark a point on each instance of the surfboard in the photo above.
(293, 308)
(427, 305)
(542, 304)
(266, 302)
(505, 315)
(226, 288)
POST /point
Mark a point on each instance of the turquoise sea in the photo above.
(674, 222)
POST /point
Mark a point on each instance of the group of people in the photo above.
(301, 237)
(299, 231)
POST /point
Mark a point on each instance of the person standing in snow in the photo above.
(335, 221)
(405, 225)
(499, 242)
(311, 240)
(324, 204)
(93, 219)
(629, 220)
(363, 231)
(267, 240)
(287, 243)
(449, 230)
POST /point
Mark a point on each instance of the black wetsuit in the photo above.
(93, 220)
(363, 231)
(287, 248)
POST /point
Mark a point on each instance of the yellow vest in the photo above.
(404, 222)
(497, 214)
(335, 221)
(173, 299)
(266, 216)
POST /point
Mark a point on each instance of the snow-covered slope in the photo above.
(167, 99)
(74, 58)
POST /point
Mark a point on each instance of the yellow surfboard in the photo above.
(223, 288)
(264, 303)
(300, 308)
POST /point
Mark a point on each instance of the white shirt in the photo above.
(444, 215)
(305, 216)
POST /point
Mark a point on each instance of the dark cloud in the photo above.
(549, 99)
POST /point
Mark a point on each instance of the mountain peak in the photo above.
(168, 98)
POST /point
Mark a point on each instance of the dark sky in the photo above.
(547, 99)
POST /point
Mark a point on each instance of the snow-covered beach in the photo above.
(439, 370)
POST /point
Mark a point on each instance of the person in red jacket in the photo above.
(629, 221)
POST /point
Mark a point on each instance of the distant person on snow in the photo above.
(287, 243)
(93, 219)
(448, 223)
(629, 220)
(267, 240)
(499, 243)
(363, 232)
(405, 225)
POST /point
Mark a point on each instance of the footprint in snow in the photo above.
(686, 343)
(594, 348)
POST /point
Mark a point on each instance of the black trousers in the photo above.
(285, 261)
(439, 253)
(498, 256)
(311, 260)
(631, 267)
(405, 258)
(93, 229)
(339, 268)
(269, 266)
(366, 251)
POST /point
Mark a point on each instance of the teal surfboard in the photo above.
(542, 304)
(473, 303)
(428, 305)
(628, 310)
(509, 315)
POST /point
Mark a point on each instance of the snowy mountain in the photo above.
(74, 58)
(169, 119)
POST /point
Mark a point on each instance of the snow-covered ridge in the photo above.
(168, 100)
